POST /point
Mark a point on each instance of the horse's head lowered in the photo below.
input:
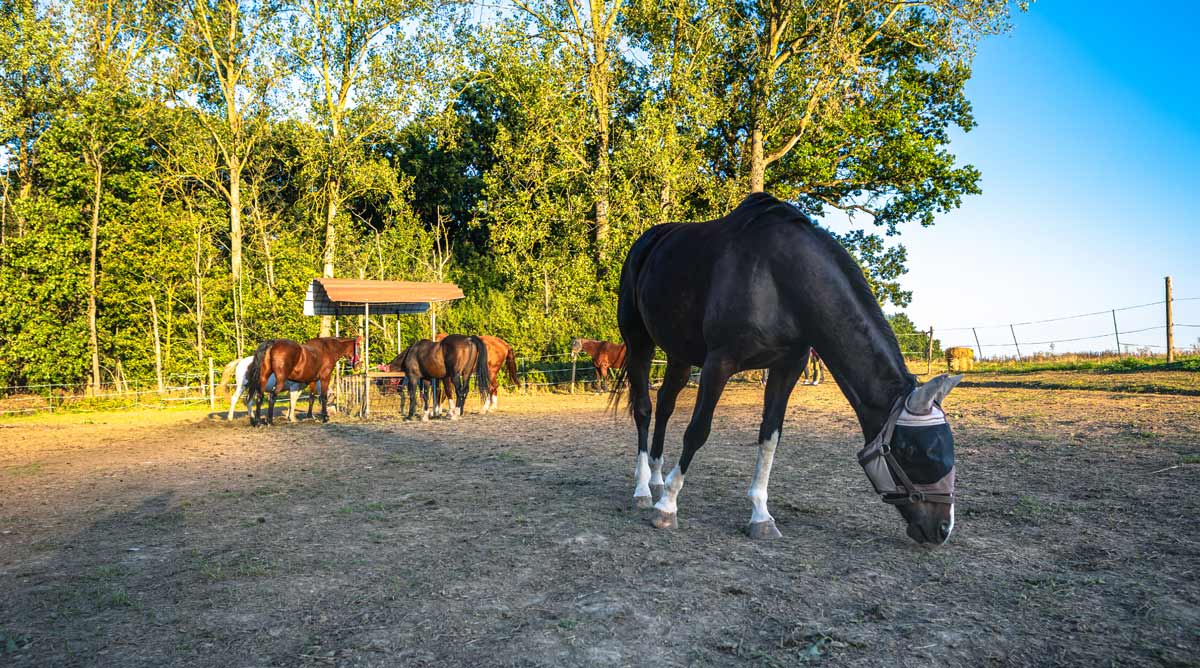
(576, 346)
(911, 461)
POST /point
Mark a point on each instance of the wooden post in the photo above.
(433, 337)
(574, 356)
(1170, 325)
(366, 360)
(1116, 332)
(929, 354)
(399, 339)
(212, 387)
(978, 347)
(1014, 333)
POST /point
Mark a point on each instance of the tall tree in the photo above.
(341, 50)
(34, 86)
(589, 31)
(230, 71)
(114, 38)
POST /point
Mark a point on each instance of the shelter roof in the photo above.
(347, 296)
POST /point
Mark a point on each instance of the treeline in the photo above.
(173, 175)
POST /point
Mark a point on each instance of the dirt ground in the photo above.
(173, 538)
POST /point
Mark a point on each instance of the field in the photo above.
(162, 538)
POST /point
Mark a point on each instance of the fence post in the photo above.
(978, 347)
(929, 354)
(574, 356)
(1116, 332)
(212, 388)
(1170, 326)
(1014, 333)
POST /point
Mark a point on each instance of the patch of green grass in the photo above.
(1190, 459)
(1030, 507)
(506, 456)
(239, 567)
(568, 624)
(24, 470)
(1110, 364)
(113, 598)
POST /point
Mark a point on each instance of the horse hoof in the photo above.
(665, 520)
(657, 490)
(644, 502)
(763, 530)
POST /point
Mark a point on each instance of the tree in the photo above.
(228, 73)
(33, 87)
(337, 49)
(587, 30)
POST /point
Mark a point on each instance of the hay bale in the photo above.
(960, 358)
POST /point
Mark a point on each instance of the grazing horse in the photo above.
(453, 358)
(237, 370)
(500, 354)
(312, 361)
(755, 290)
(605, 355)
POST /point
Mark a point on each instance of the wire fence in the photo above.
(1137, 330)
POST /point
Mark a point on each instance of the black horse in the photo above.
(756, 289)
(454, 358)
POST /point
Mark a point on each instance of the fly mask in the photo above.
(912, 457)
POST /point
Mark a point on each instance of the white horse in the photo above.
(239, 374)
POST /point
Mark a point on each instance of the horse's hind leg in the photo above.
(271, 406)
(716, 372)
(237, 393)
(674, 380)
(638, 370)
(780, 382)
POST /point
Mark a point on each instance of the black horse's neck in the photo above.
(869, 368)
(858, 344)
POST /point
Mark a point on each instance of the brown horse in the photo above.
(455, 358)
(605, 356)
(288, 360)
(500, 355)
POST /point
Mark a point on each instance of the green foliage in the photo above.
(395, 139)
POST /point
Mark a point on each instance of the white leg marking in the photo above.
(674, 483)
(237, 394)
(656, 471)
(495, 402)
(641, 475)
(293, 397)
(762, 477)
(951, 529)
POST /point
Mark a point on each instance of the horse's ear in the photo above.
(923, 398)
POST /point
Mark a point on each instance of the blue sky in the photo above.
(1088, 140)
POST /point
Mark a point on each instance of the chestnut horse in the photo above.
(453, 358)
(500, 354)
(305, 363)
(605, 356)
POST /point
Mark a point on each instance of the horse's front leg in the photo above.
(237, 393)
(780, 382)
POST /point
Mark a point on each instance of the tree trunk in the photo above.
(198, 286)
(334, 192)
(600, 79)
(758, 168)
(235, 249)
(93, 335)
(158, 366)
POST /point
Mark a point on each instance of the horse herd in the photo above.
(449, 359)
(760, 288)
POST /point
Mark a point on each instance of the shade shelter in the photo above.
(347, 296)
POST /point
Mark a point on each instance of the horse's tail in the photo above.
(481, 368)
(253, 383)
(614, 394)
(227, 373)
(510, 363)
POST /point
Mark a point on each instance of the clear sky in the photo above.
(1088, 140)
